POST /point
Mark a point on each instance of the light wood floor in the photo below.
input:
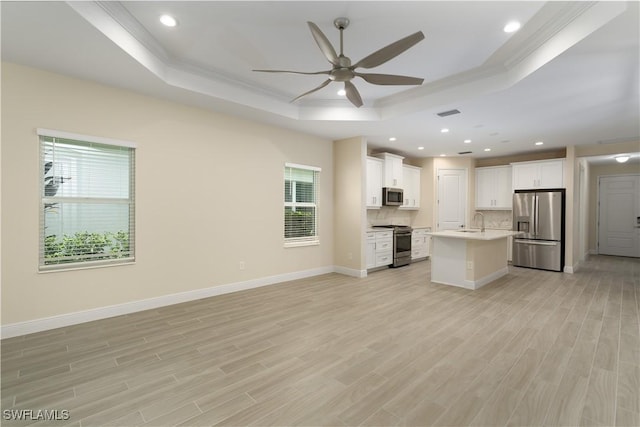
(532, 348)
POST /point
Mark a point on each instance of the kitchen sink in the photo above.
(468, 231)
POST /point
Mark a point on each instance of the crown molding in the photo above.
(554, 29)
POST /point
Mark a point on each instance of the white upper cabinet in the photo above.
(374, 183)
(540, 174)
(493, 188)
(411, 187)
(391, 169)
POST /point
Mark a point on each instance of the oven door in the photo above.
(401, 249)
(402, 243)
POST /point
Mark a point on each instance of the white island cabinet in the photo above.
(469, 258)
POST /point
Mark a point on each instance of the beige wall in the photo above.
(208, 187)
(606, 149)
(524, 157)
(349, 156)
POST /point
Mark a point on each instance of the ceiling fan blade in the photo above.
(326, 82)
(389, 79)
(352, 94)
(292, 72)
(323, 43)
(389, 52)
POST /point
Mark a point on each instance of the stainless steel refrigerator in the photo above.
(539, 216)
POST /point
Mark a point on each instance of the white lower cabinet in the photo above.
(379, 248)
(371, 249)
(420, 243)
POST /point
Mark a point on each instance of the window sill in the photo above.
(300, 243)
(74, 267)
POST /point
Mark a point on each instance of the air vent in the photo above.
(465, 152)
(448, 113)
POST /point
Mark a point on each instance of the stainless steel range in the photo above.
(401, 244)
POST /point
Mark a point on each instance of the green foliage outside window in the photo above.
(75, 248)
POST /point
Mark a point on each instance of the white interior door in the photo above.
(619, 215)
(452, 198)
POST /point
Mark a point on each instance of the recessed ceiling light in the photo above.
(467, 141)
(342, 92)
(622, 159)
(420, 148)
(444, 130)
(443, 155)
(168, 20)
(393, 138)
(487, 149)
(512, 27)
(539, 143)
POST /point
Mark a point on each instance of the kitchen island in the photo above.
(469, 258)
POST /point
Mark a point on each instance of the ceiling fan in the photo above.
(343, 71)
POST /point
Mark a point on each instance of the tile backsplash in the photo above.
(389, 215)
(496, 219)
(395, 216)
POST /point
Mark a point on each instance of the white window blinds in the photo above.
(87, 201)
(300, 204)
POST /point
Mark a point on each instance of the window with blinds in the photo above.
(87, 201)
(300, 205)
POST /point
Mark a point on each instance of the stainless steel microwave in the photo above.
(392, 196)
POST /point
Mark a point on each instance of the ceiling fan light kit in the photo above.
(344, 71)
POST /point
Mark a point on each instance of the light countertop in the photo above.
(475, 234)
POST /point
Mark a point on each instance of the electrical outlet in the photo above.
(350, 255)
(469, 265)
(241, 265)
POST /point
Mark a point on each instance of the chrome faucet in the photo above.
(481, 216)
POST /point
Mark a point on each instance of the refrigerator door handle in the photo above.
(536, 242)
(536, 215)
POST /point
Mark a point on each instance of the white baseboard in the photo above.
(350, 271)
(572, 268)
(68, 319)
(476, 284)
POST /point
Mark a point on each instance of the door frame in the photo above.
(598, 204)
